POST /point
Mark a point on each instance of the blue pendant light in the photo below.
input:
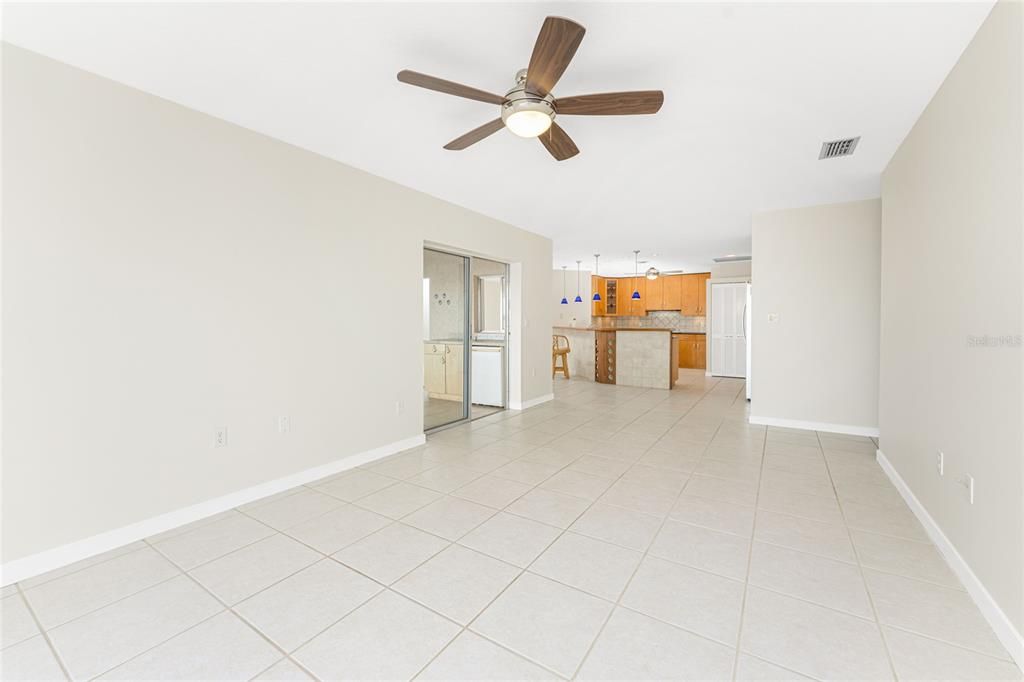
(578, 299)
(565, 301)
(636, 263)
(597, 296)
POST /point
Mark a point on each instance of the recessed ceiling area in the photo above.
(751, 93)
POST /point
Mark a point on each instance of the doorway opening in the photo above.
(465, 338)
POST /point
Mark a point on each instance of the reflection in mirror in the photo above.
(489, 315)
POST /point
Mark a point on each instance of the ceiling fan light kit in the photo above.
(529, 108)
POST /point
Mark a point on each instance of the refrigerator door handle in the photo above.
(744, 320)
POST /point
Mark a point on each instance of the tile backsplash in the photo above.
(666, 319)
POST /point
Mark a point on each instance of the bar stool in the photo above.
(558, 350)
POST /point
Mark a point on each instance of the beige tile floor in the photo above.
(613, 533)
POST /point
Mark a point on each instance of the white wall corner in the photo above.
(1003, 627)
(58, 557)
(846, 429)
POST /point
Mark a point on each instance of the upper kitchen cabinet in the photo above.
(656, 294)
(597, 285)
(688, 296)
(702, 292)
(627, 304)
(664, 293)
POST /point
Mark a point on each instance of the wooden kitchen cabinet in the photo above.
(443, 370)
(692, 351)
(597, 285)
(702, 292)
(453, 369)
(656, 294)
(627, 304)
(688, 295)
(433, 368)
(672, 295)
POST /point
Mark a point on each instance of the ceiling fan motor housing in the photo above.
(519, 100)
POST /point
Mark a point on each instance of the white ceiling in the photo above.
(751, 91)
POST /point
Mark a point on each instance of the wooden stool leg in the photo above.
(565, 365)
(554, 365)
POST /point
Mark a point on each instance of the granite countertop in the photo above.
(613, 329)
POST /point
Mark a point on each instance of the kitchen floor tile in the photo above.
(510, 538)
(714, 514)
(932, 610)
(618, 525)
(695, 600)
(577, 484)
(492, 491)
(471, 657)
(811, 639)
(351, 485)
(288, 511)
(221, 648)
(824, 539)
(250, 569)
(391, 552)
(73, 595)
(823, 581)
(449, 517)
(591, 565)
(458, 582)
(300, 606)
(544, 621)
(635, 647)
(547, 506)
(904, 557)
(30, 659)
(17, 623)
(388, 638)
(710, 550)
(920, 658)
(337, 529)
(106, 638)
(398, 500)
(212, 540)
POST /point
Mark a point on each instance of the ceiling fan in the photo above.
(529, 108)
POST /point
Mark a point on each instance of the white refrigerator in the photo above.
(730, 330)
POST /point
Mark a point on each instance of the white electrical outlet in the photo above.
(284, 424)
(968, 482)
(220, 437)
(940, 463)
(773, 317)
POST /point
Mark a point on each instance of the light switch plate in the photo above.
(220, 437)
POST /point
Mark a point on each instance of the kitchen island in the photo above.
(642, 356)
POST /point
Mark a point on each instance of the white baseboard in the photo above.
(846, 429)
(533, 402)
(997, 620)
(37, 564)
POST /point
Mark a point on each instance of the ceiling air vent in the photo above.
(730, 259)
(830, 150)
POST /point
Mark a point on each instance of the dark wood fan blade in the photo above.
(475, 135)
(611, 103)
(422, 80)
(557, 42)
(558, 143)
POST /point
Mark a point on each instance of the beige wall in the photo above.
(817, 269)
(166, 273)
(951, 270)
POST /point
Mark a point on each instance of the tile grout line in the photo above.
(45, 635)
(524, 570)
(645, 553)
(860, 567)
(230, 609)
(750, 558)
